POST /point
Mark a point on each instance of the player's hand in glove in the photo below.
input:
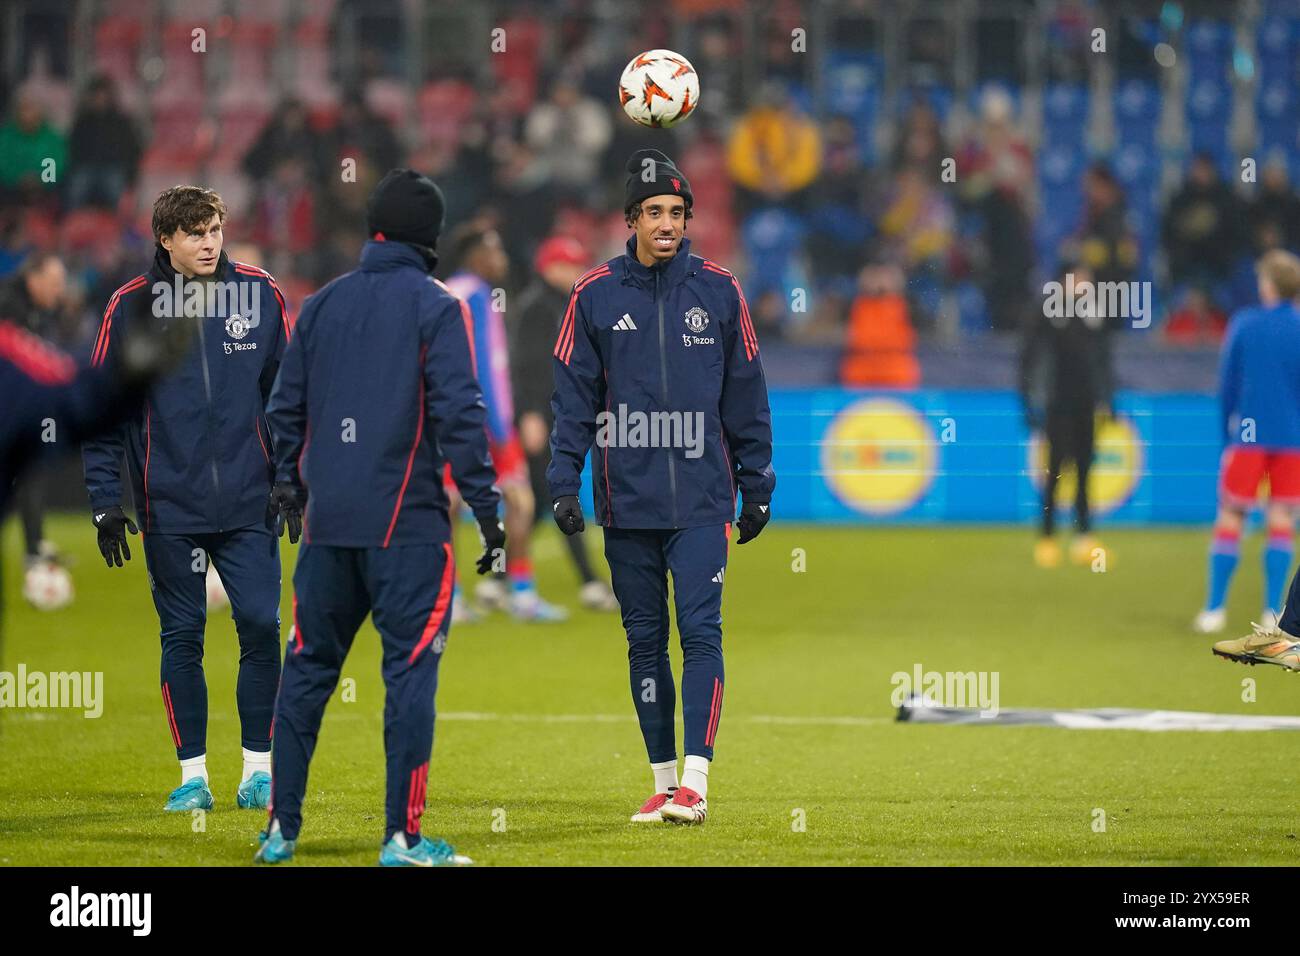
(284, 509)
(151, 345)
(753, 517)
(112, 525)
(493, 536)
(568, 514)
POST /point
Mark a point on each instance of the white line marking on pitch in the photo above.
(628, 718)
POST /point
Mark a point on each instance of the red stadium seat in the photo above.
(237, 129)
(85, 228)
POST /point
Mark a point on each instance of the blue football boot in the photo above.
(255, 792)
(425, 853)
(193, 794)
(274, 848)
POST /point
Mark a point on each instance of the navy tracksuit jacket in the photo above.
(671, 338)
(198, 452)
(376, 391)
(39, 384)
(42, 386)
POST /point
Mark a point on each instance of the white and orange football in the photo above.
(659, 88)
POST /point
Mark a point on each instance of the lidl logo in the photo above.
(878, 456)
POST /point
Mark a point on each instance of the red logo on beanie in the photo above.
(677, 185)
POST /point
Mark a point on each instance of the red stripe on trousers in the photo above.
(715, 712)
(171, 715)
(439, 613)
(415, 797)
(297, 632)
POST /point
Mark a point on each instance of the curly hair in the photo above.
(633, 213)
(185, 207)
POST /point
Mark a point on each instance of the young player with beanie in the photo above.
(661, 333)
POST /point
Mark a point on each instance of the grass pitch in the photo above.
(538, 760)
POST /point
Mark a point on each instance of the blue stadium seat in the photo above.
(1065, 102)
(1137, 110)
(1209, 137)
(1065, 115)
(771, 237)
(1060, 166)
(1275, 39)
(852, 86)
(851, 81)
(1208, 45)
(1277, 136)
(1209, 99)
(1137, 166)
(1275, 102)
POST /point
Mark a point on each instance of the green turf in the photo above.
(537, 731)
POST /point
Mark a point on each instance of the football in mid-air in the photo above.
(659, 88)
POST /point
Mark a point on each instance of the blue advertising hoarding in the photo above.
(849, 456)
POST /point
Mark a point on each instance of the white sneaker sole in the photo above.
(686, 816)
(456, 860)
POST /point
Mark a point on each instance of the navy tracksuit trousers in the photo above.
(639, 565)
(408, 589)
(248, 562)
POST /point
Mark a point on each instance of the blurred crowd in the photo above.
(832, 244)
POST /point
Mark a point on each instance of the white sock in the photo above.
(696, 775)
(195, 767)
(665, 776)
(400, 837)
(255, 760)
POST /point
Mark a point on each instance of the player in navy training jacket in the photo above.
(657, 364)
(50, 403)
(376, 391)
(199, 459)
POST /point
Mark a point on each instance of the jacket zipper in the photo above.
(207, 391)
(663, 378)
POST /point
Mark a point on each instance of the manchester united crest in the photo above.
(236, 327)
(697, 320)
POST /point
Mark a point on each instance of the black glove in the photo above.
(112, 525)
(284, 508)
(568, 514)
(493, 536)
(752, 519)
(151, 345)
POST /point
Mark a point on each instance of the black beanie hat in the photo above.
(666, 179)
(406, 207)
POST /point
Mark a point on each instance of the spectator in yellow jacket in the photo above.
(775, 151)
